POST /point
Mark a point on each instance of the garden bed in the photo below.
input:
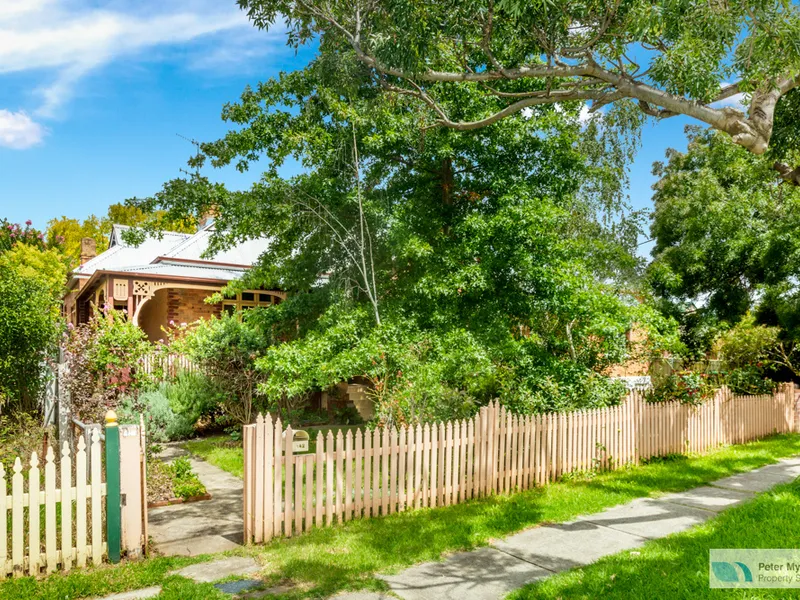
(173, 483)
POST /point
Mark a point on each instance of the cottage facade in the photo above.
(162, 280)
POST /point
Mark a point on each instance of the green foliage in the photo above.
(104, 358)
(686, 387)
(162, 423)
(30, 323)
(33, 262)
(501, 260)
(226, 350)
(67, 232)
(194, 396)
(747, 344)
(753, 380)
(20, 434)
(13, 234)
(185, 481)
(660, 57)
(726, 239)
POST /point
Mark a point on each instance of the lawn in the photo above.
(226, 453)
(677, 566)
(347, 557)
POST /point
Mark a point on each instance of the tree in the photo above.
(502, 258)
(669, 58)
(724, 232)
(226, 350)
(31, 281)
(13, 234)
(67, 232)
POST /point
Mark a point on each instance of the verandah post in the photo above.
(113, 500)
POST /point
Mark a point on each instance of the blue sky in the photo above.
(94, 95)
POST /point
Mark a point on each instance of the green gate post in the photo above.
(113, 500)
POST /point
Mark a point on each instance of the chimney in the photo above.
(88, 249)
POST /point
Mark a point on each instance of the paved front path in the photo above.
(506, 565)
(200, 527)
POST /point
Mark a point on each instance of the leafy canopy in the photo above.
(726, 239)
(67, 232)
(443, 268)
(670, 57)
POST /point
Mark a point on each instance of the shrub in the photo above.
(226, 349)
(162, 424)
(30, 326)
(185, 483)
(20, 434)
(103, 358)
(749, 380)
(687, 387)
(194, 396)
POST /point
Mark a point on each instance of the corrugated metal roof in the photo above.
(186, 271)
(154, 254)
(244, 253)
(120, 255)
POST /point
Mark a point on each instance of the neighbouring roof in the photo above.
(178, 255)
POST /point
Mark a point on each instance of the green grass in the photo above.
(221, 452)
(677, 566)
(347, 557)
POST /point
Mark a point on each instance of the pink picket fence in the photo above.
(366, 473)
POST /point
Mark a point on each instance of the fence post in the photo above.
(113, 504)
(130, 489)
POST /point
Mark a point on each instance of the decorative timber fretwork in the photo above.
(146, 289)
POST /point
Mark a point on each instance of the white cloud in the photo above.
(59, 42)
(18, 131)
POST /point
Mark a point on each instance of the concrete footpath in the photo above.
(201, 527)
(506, 565)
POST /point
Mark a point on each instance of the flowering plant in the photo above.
(14, 233)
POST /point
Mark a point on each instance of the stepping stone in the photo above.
(238, 587)
(204, 544)
(483, 574)
(708, 498)
(208, 572)
(563, 546)
(649, 518)
(141, 594)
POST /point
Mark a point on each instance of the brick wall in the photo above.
(185, 306)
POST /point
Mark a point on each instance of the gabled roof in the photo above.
(245, 253)
(173, 255)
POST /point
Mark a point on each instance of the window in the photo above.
(247, 300)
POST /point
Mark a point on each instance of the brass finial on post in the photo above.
(111, 419)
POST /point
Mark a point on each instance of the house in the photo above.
(162, 280)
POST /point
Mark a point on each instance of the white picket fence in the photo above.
(364, 474)
(168, 365)
(58, 525)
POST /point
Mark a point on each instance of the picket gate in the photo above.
(73, 509)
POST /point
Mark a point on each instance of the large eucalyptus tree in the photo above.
(667, 57)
